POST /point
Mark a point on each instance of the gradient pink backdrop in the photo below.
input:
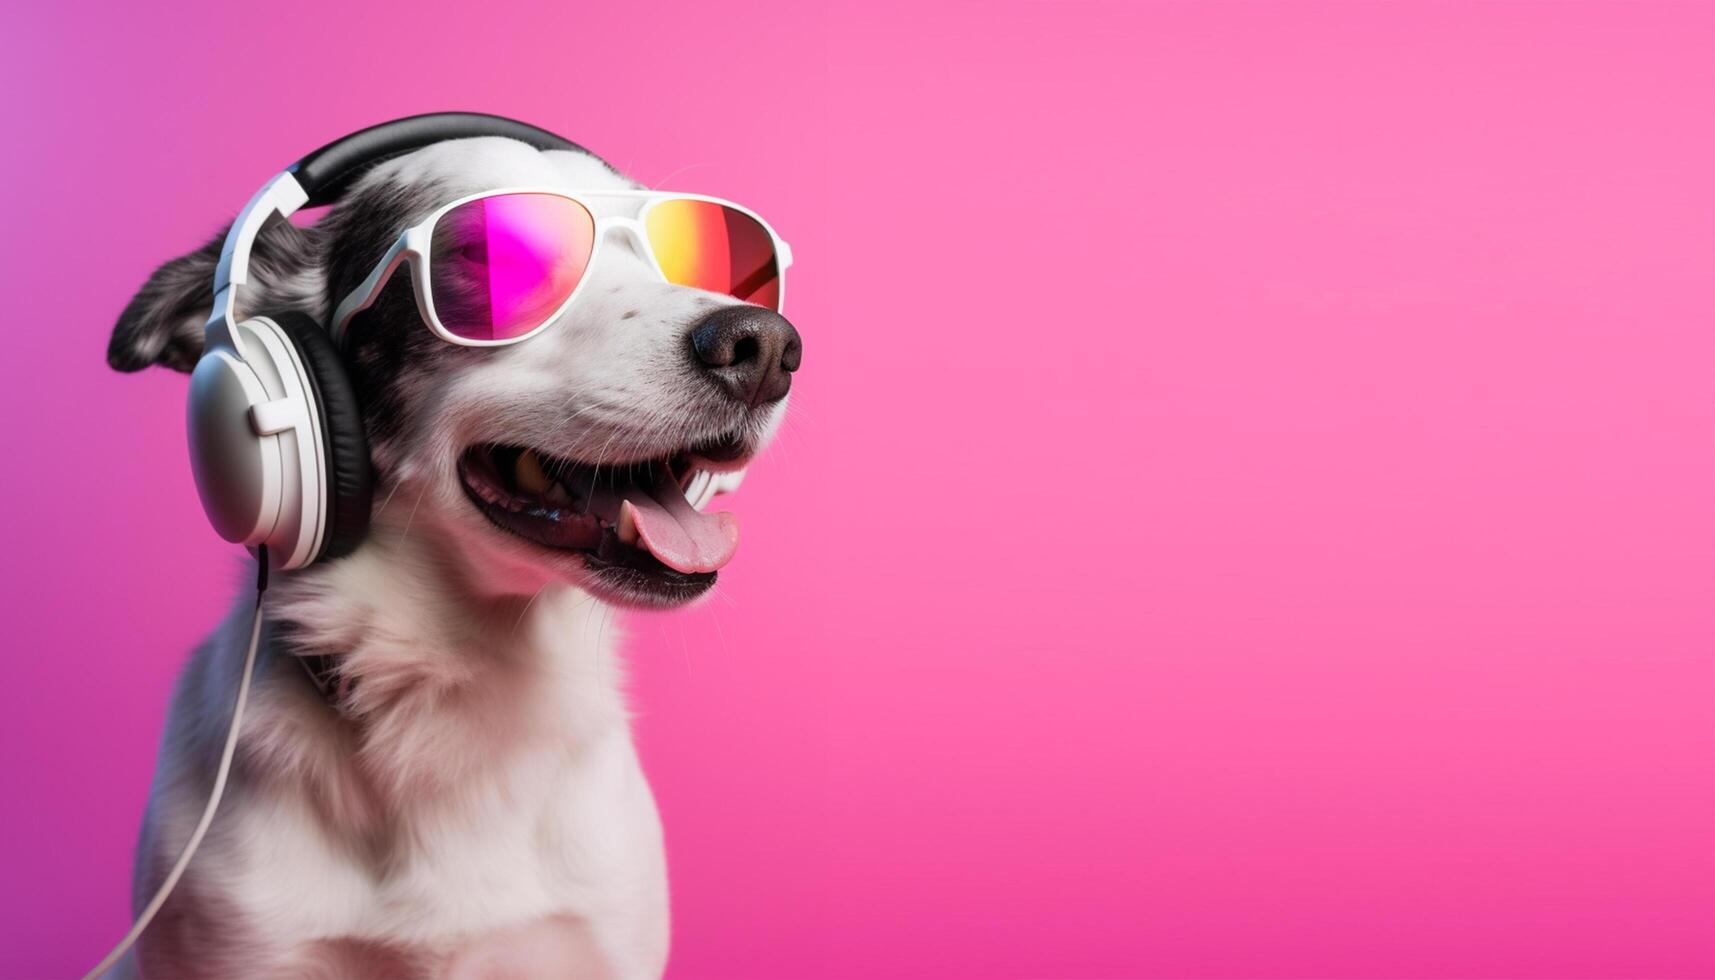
(1246, 512)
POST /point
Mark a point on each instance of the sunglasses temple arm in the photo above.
(360, 298)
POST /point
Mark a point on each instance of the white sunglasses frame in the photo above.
(413, 245)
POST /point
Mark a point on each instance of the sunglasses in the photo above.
(498, 267)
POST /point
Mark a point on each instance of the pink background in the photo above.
(1246, 512)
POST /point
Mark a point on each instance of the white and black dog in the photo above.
(465, 799)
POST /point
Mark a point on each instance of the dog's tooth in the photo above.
(557, 494)
(696, 488)
(627, 528)
(529, 474)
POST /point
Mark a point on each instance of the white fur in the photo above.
(475, 804)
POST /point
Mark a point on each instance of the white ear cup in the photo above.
(256, 446)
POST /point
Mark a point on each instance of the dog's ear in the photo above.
(163, 324)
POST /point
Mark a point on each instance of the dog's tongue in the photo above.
(680, 536)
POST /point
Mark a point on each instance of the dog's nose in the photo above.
(750, 351)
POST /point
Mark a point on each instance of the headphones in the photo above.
(276, 438)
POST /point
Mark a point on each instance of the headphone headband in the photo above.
(327, 173)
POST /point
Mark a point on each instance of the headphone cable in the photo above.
(214, 795)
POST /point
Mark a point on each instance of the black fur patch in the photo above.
(389, 341)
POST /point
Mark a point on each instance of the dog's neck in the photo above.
(439, 679)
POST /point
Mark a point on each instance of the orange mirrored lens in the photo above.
(711, 246)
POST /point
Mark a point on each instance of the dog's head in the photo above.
(568, 455)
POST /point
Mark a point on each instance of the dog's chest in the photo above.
(553, 836)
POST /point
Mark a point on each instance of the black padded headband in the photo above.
(327, 173)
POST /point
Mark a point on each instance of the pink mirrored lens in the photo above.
(500, 266)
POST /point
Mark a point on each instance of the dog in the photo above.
(458, 793)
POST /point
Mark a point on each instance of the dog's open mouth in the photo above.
(632, 524)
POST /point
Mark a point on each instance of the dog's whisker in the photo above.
(607, 615)
(526, 610)
(795, 410)
(390, 494)
(716, 619)
(412, 519)
(722, 595)
(681, 171)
